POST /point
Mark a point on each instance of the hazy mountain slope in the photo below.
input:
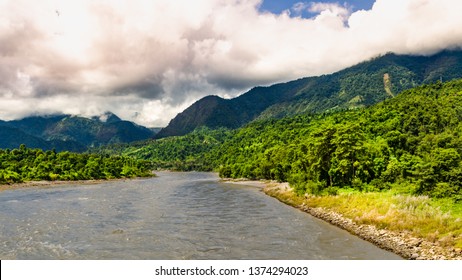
(73, 133)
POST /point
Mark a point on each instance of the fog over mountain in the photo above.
(148, 60)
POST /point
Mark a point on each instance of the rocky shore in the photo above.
(400, 243)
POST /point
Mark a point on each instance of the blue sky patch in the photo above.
(278, 6)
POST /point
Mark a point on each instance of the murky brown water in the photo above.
(173, 216)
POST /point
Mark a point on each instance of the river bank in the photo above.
(401, 242)
(246, 182)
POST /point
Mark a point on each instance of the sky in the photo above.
(148, 60)
(293, 6)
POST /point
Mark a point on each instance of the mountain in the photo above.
(361, 85)
(72, 133)
(210, 111)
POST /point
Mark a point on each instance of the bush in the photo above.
(332, 191)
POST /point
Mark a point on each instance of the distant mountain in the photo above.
(72, 133)
(361, 85)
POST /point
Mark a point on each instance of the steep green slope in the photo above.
(362, 85)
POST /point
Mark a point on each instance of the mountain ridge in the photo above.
(361, 85)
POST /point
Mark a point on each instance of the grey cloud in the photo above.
(147, 89)
(236, 81)
(18, 38)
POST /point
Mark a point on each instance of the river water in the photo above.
(173, 216)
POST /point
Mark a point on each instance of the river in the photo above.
(173, 216)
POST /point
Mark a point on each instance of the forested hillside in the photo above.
(362, 85)
(194, 151)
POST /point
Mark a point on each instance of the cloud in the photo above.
(147, 60)
(300, 7)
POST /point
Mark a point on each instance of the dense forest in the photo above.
(411, 143)
(194, 151)
(24, 164)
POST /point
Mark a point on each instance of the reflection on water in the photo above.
(173, 216)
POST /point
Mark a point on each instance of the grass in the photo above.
(434, 220)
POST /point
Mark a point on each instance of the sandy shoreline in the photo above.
(400, 243)
(50, 184)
